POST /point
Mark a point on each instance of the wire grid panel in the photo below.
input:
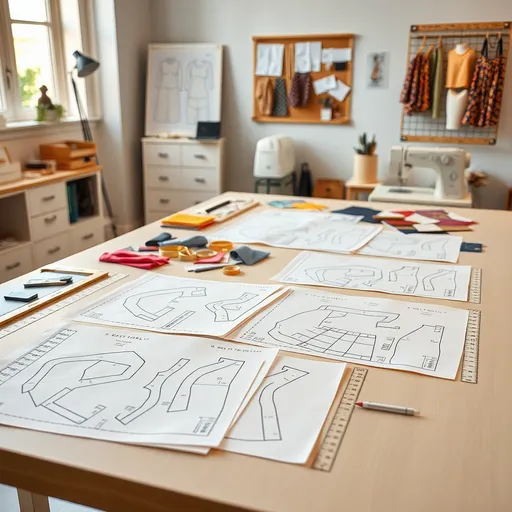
(421, 127)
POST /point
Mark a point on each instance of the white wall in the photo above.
(380, 25)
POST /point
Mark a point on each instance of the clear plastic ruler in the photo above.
(475, 286)
(470, 357)
(42, 313)
(332, 441)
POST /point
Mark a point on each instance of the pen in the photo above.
(397, 409)
(217, 206)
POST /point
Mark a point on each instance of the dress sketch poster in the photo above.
(378, 70)
(184, 86)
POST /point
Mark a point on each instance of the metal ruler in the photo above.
(332, 441)
(475, 286)
(470, 357)
(42, 313)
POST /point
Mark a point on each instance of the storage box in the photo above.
(70, 154)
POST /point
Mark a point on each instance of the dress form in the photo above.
(456, 99)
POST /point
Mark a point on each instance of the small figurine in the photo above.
(44, 99)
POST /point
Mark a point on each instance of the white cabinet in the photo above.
(179, 173)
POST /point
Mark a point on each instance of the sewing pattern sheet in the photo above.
(437, 281)
(300, 230)
(179, 305)
(415, 247)
(420, 338)
(274, 425)
(123, 386)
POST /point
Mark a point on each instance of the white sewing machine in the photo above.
(451, 186)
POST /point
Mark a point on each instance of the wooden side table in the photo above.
(329, 189)
(354, 189)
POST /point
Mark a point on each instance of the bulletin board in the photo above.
(421, 127)
(309, 114)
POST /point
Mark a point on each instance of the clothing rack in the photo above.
(421, 127)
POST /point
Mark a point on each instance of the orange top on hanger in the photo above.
(460, 68)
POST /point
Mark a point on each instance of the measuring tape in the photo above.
(42, 313)
(475, 286)
(470, 357)
(332, 441)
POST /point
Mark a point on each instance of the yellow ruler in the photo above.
(475, 286)
(470, 357)
(332, 441)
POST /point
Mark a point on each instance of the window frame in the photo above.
(9, 85)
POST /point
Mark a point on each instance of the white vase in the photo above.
(51, 116)
(326, 114)
(365, 169)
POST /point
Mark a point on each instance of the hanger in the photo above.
(440, 41)
(430, 50)
(422, 47)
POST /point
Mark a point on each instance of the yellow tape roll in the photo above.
(171, 251)
(221, 246)
(231, 270)
(206, 253)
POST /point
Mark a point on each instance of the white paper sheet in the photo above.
(286, 415)
(421, 219)
(269, 60)
(308, 57)
(336, 55)
(323, 85)
(427, 228)
(299, 230)
(179, 305)
(341, 91)
(410, 336)
(415, 247)
(120, 385)
(437, 281)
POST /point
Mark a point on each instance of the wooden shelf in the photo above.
(58, 176)
(291, 120)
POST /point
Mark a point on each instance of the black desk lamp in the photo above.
(84, 67)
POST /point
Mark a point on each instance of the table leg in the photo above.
(350, 195)
(268, 186)
(30, 502)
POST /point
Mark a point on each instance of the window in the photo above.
(37, 41)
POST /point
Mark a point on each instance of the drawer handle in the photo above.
(163, 155)
(88, 237)
(199, 180)
(164, 201)
(48, 198)
(49, 220)
(54, 250)
(13, 266)
(200, 157)
(163, 178)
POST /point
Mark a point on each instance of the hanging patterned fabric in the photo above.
(416, 91)
(280, 99)
(300, 90)
(265, 96)
(486, 90)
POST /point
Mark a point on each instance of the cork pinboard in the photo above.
(309, 114)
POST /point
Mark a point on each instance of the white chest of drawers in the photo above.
(179, 173)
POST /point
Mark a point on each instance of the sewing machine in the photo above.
(451, 187)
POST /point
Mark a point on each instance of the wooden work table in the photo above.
(457, 456)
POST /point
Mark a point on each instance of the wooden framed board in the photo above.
(309, 114)
(11, 311)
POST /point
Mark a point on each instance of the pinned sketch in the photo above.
(274, 425)
(415, 247)
(184, 86)
(420, 338)
(269, 60)
(123, 386)
(179, 305)
(450, 282)
(300, 230)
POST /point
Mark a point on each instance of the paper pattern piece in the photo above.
(299, 230)
(275, 425)
(421, 338)
(119, 385)
(340, 92)
(336, 55)
(179, 305)
(427, 228)
(322, 85)
(437, 281)
(308, 57)
(415, 247)
(269, 60)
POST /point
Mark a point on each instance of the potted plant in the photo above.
(49, 113)
(365, 161)
(326, 110)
